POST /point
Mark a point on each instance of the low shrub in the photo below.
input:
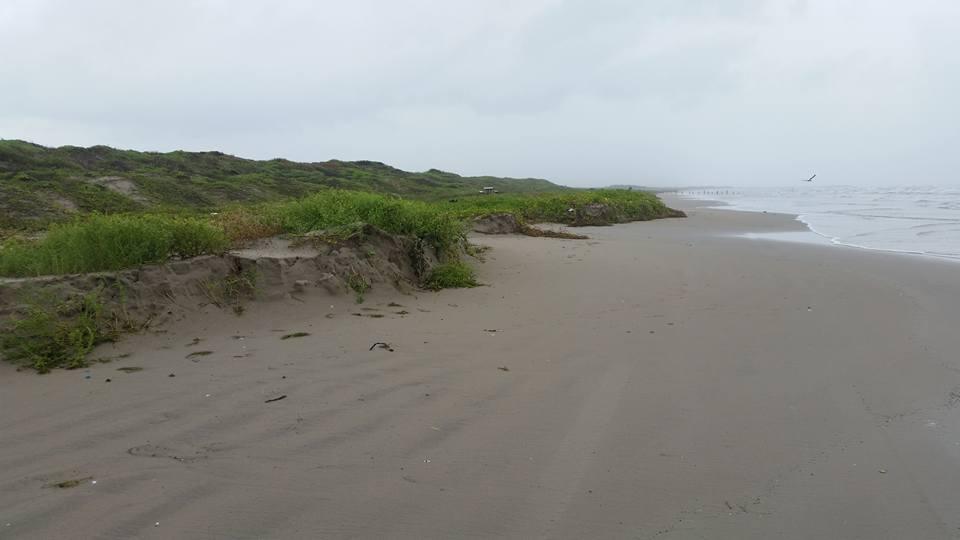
(55, 334)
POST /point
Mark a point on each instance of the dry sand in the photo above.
(663, 380)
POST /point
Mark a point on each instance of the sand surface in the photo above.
(661, 380)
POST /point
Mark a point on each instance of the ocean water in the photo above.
(921, 220)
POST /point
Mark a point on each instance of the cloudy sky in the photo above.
(585, 92)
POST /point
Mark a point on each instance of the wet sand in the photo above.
(661, 380)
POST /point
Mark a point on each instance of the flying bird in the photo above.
(809, 179)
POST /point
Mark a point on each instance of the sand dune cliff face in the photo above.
(270, 269)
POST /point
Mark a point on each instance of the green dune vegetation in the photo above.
(40, 185)
(98, 242)
(79, 210)
(72, 210)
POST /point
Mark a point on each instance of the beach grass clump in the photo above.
(110, 242)
(56, 334)
(619, 205)
(332, 209)
(336, 214)
(451, 275)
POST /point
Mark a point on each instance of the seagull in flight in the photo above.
(809, 179)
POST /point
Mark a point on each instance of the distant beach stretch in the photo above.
(919, 220)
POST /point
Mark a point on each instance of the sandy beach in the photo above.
(663, 379)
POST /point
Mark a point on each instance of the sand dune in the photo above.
(661, 380)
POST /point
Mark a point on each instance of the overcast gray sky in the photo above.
(585, 92)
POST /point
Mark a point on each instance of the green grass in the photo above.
(337, 214)
(336, 211)
(627, 205)
(451, 275)
(110, 242)
(113, 242)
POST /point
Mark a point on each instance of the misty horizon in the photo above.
(758, 93)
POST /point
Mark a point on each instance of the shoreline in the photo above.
(663, 379)
(681, 202)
